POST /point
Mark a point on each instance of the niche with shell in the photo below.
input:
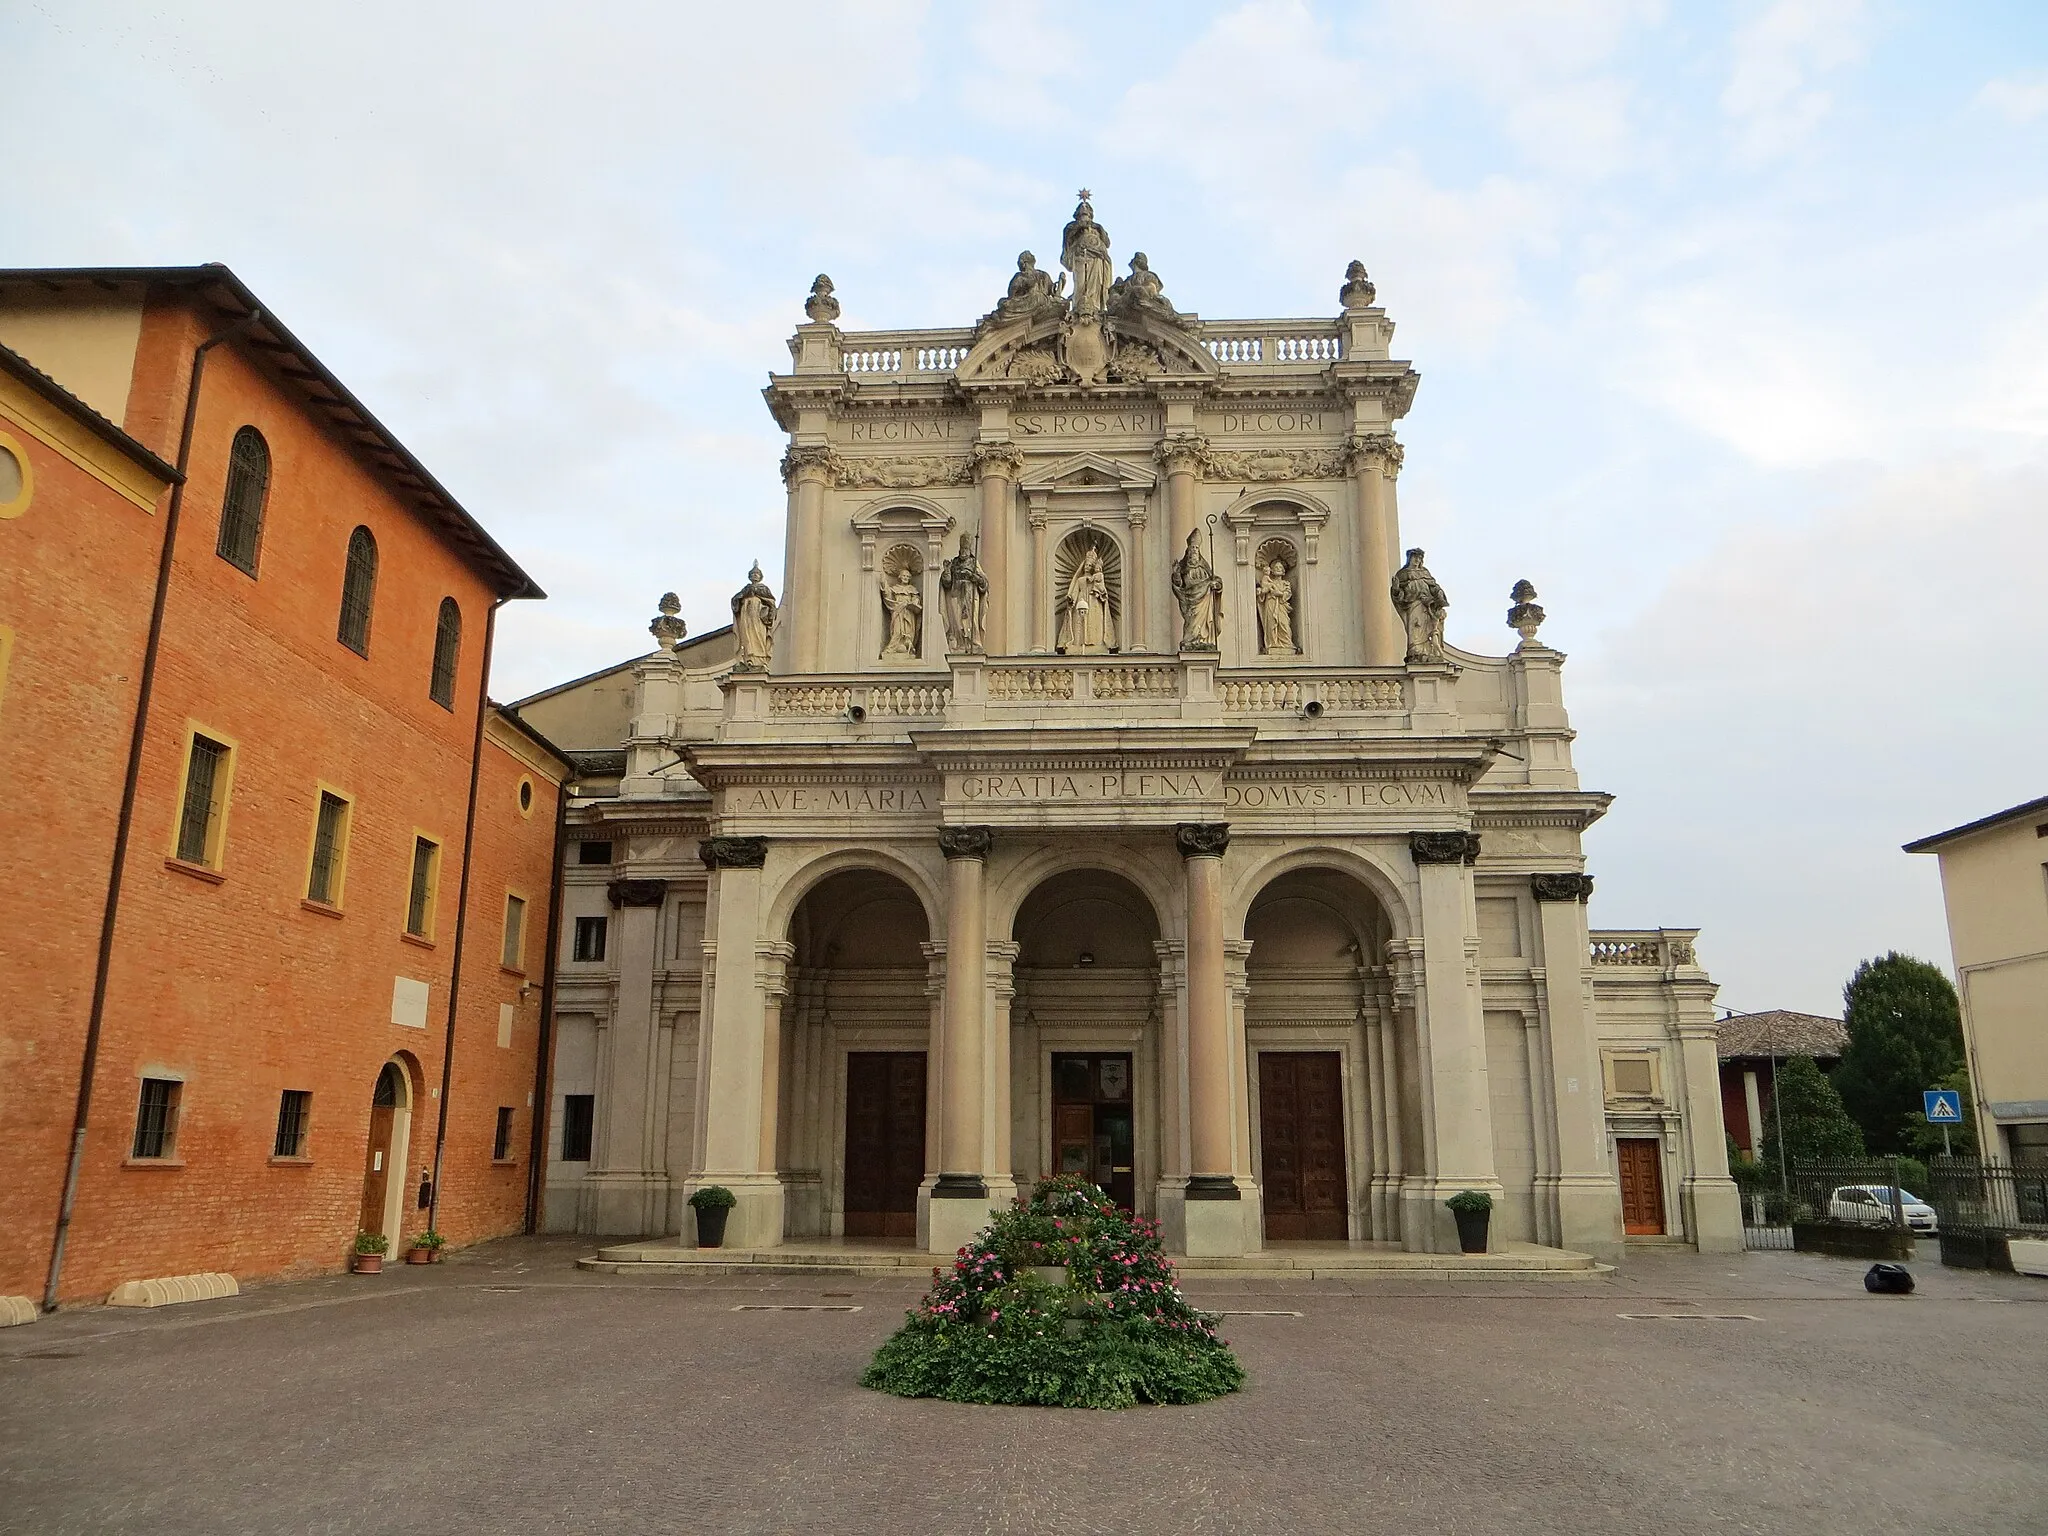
(902, 596)
(1088, 604)
(1276, 597)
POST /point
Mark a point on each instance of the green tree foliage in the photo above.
(1925, 1141)
(1905, 1036)
(1809, 1109)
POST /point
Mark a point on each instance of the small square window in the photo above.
(156, 1118)
(294, 1114)
(578, 1115)
(590, 935)
(593, 853)
(501, 1142)
(515, 932)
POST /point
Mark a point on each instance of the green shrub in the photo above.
(1470, 1202)
(428, 1239)
(713, 1197)
(1118, 1333)
(371, 1242)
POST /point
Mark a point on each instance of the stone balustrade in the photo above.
(887, 354)
(1270, 693)
(811, 698)
(1656, 948)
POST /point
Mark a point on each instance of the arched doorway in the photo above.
(1085, 1061)
(384, 1159)
(855, 1105)
(1317, 1040)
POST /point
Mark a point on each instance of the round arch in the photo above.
(1013, 885)
(1378, 880)
(807, 876)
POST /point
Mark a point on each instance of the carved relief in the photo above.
(1379, 450)
(636, 893)
(1276, 464)
(1182, 450)
(905, 474)
(1035, 365)
(902, 585)
(814, 458)
(1088, 569)
(996, 459)
(1133, 362)
(1276, 599)
(733, 852)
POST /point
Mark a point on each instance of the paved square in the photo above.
(505, 1391)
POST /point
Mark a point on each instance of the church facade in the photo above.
(1100, 796)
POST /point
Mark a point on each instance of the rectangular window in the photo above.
(515, 932)
(501, 1142)
(590, 933)
(294, 1109)
(419, 907)
(593, 853)
(330, 839)
(578, 1113)
(199, 818)
(156, 1118)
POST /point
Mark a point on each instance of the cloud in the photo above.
(1774, 96)
(2017, 98)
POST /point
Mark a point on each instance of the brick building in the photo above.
(245, 637)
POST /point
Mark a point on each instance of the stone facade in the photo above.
(1164, 800)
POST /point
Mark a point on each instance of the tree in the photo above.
(1926, 1140)
(1815, 1124)
(1905, 1036)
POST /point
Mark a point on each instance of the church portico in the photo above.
(1101, 796)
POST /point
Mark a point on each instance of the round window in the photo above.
(526, 794)
(15, 484)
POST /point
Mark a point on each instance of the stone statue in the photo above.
(1084, 251)
(1199, 591)
(1421, 604)
(1276, 610)
(1087, 629)
(1142, 293)
(964, 591)
(1525, 617)
(753, 623)
(1033, 293)
(1358, 291)
(668, 628)
(821, 306)
(903, 601)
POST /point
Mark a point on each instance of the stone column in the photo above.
(626, 1190)
(960, 1204)
(807, 470)
(1375, 459)
(999, 1158)
(1215, 1218)
(1707, 1195)
(1753, 1107)
(1180, 455)
(997, 465)
(1588, 1193)
(1136, 619)
(735, 1114)
(1454, 1090)
(771, 967)
(1041, 599)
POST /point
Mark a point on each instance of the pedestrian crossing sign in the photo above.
(1944, 1106)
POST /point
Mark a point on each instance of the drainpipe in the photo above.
(476, 758)
(543, 1097)
(137, 734)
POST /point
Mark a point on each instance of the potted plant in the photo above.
(1472, 1208)
(426, 1247)
(368, 1259)
(713, 1203)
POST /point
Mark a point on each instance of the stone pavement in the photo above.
(506, 1391)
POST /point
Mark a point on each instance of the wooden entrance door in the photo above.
(377, 1170)
(1093, 1126)
(1641, 1161)
(1301, 1140)
(884, 1143)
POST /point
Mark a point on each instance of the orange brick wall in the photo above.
(235, 984)
(77, 568)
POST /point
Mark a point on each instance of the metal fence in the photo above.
(1847, 1192)
(1983, 1204)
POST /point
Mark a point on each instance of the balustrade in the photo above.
(1281, 695)
(1651, 948)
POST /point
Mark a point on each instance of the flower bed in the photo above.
(1118, 1333)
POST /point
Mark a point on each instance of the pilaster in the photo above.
(1587, 1193)
(625, 1193)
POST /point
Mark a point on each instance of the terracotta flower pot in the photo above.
(419, 1255)
(367, 1263)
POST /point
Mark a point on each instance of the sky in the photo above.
(1732, 322)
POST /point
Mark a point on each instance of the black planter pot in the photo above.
(1472, 1230)
(711, 1226)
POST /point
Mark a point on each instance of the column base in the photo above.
(1589, 1215)
(1427, 1225)
(1216, 1218)
(954, 1210)
(756, 1221)
(622, 1204)
(1713, 1214)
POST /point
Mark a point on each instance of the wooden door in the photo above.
(1641, 1161)
(376, 1169)
(1094, 1128)
(1301, 1140)
(884, 1143)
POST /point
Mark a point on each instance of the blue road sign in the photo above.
(1944, 1106)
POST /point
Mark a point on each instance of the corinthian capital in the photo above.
(1183, 450)
(1562, 887)
(965, 842)
(809, 459)
(1201, 839)
(733, 852)
(1005, 459)
(1381, 450)
(1444, 847)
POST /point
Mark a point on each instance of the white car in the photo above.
(1871, 1204)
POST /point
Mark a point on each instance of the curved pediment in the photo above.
(1134, 346)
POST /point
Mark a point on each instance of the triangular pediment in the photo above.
(1090, 471)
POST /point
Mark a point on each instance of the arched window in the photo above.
(241, 509)
(358, 591)
(447, 650)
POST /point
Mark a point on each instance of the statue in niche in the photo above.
(1275, 596)
(963, 589)
(1142, 293)
(1033, 293)
(753, 623)
(903, 603)
(1421, 604)
(1087, 624)
(1199, 591)
(1084, 251)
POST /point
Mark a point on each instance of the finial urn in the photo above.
(821, 306)
(1525, 617)
(1358, 291)
(668, 627)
